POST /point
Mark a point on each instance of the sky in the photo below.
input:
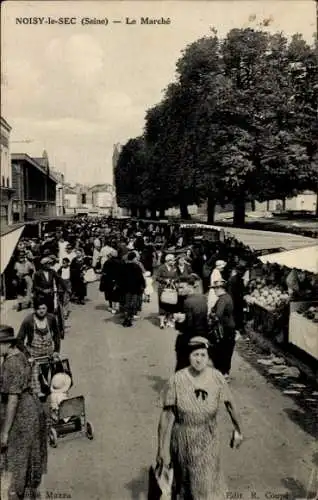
(76, 90)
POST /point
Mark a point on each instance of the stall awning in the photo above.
(301, 258)
(262, 240)
(9, 241)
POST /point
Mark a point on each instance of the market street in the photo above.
(121, 373)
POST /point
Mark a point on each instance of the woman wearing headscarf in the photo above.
(188, 433)
(22, 422)
(216, 275)
(166, 275)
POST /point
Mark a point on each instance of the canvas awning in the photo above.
(9, 241)
(301, 258)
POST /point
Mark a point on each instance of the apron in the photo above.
(42, 345)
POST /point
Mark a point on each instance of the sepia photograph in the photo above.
(159, 250)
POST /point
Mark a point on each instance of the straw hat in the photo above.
(45, 260)
(220, 263)
(169, 257)
(219, 284)
(199, 342)
(61, 382)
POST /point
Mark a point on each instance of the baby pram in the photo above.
(70, 416)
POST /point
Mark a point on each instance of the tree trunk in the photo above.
(184, 213)
(142, 213)
(162, 213)
(211, 209)
(239, 212)
(134, 211)
(253, 205)
(284, 204)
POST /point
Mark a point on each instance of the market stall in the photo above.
(282, 298)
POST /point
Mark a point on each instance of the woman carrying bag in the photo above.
(167, 294)
(188, 432)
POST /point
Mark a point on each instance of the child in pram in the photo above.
(60, 386)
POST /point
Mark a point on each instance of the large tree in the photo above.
(245, 114)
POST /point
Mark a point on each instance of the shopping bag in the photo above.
(90, 276)
(169, 296)
(216, 332)
(160, 483)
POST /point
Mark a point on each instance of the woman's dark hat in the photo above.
(199, 343)
(6, 334)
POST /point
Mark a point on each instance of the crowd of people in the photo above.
(199, 285)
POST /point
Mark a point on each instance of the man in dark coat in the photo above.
(46, 283)
(236, 290)
(192, 323)
(133, 286)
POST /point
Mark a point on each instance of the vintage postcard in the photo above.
(159, 317)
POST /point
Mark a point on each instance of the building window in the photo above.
(8, 182)
(83, 199)
(2, 181)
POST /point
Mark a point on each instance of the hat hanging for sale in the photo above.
(61, 382)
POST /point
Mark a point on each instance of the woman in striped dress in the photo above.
(189, 437)
(39, 336)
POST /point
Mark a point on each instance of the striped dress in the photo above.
(195, 440)
(42, 345)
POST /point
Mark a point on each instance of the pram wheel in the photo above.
(53, 437)
(89, 430)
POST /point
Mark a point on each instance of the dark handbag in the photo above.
(154, 490)
(160, 484)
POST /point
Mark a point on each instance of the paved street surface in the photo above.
(121, 373)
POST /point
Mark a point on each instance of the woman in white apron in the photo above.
(216, 275)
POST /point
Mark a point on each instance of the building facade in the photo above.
(102, 198)
(34, 188)
(60, 195)
(6, 174)
(70, 198)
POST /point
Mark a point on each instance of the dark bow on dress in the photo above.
(202, 393)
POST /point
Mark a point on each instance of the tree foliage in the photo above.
(238, 124)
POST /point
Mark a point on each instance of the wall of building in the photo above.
(70, 200)
(302, 202)
(102, 199)
(34, 192)
(6, 175)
